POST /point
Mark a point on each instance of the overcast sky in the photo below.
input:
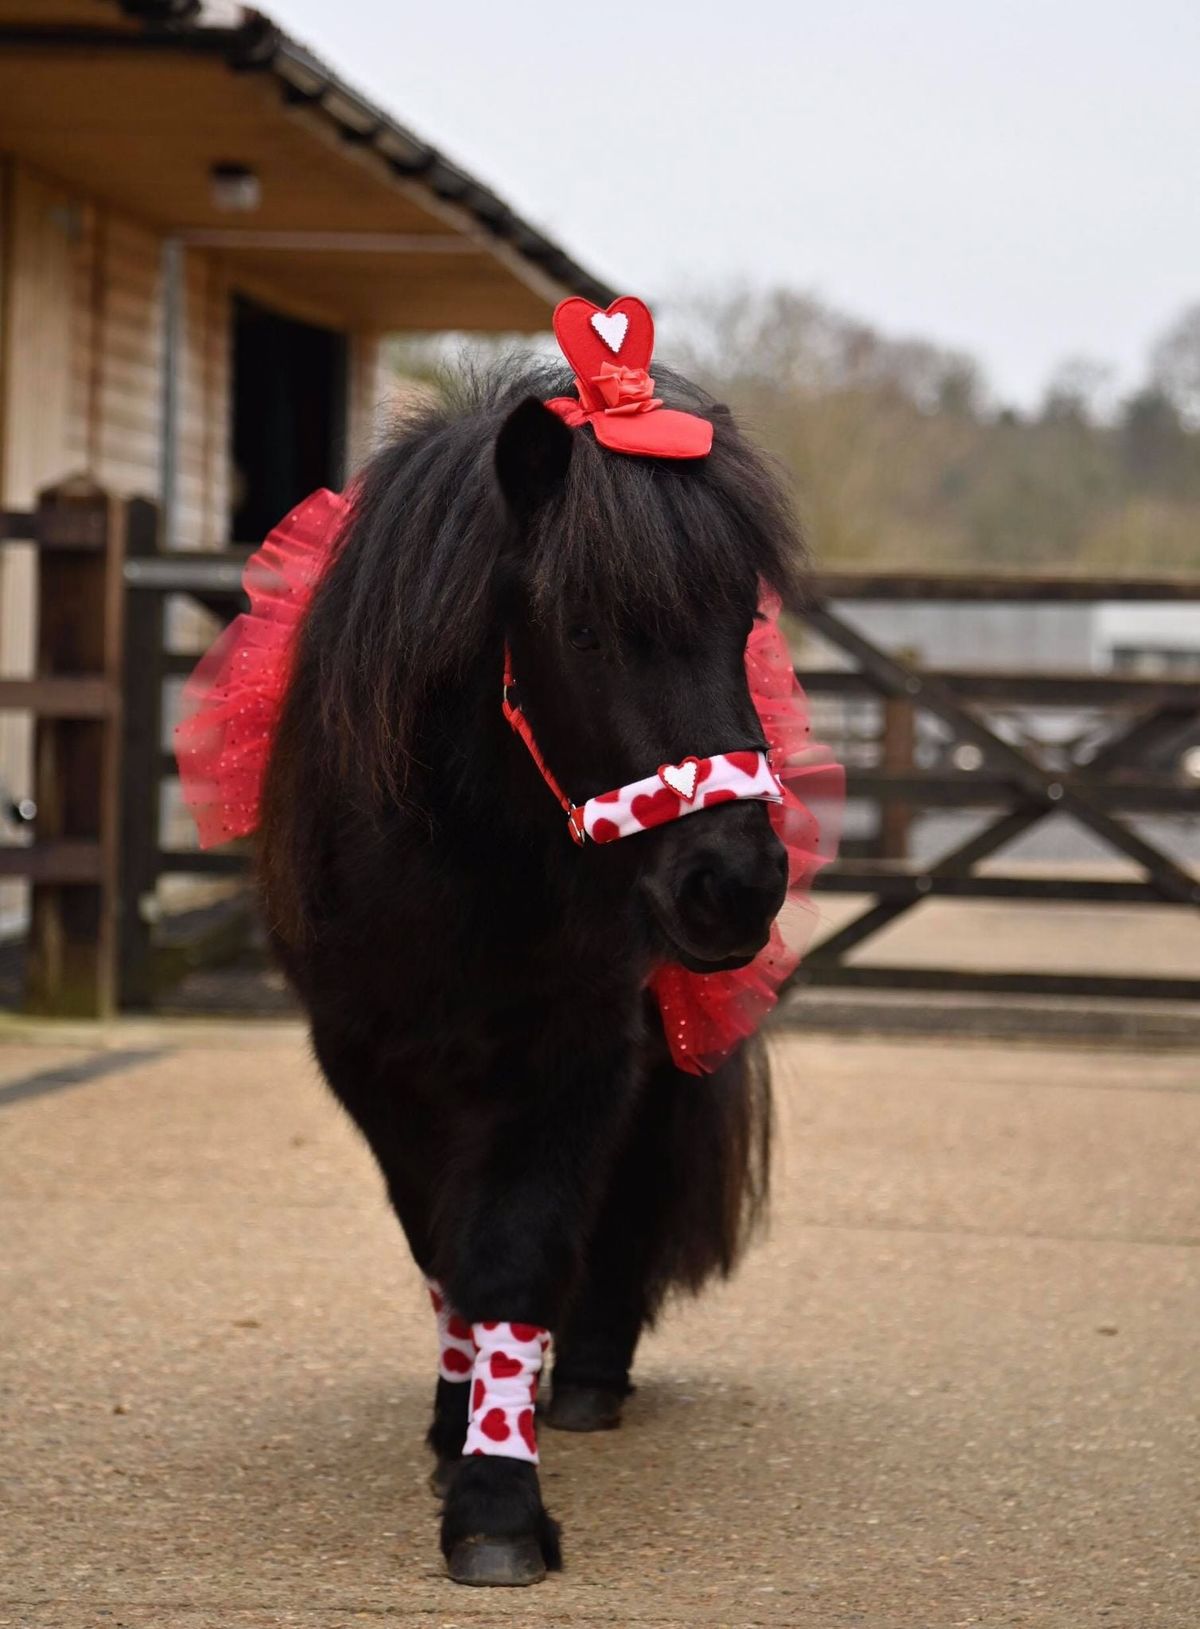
(1019, 179)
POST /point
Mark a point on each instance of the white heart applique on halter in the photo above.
(612, 328)
(681, 778)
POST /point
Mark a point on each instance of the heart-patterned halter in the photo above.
(616, 398)
(674, 790)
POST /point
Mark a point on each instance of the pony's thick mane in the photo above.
(414, 592)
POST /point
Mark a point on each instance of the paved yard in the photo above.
(956, 1385)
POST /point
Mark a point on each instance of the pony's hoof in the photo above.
(584, 1408)
(504, 1562)
(439, 1477)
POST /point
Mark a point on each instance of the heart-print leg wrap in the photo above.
(456, 1347)
(504, 1382)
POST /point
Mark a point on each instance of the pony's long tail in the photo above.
(687, 1189)
(705, 1145)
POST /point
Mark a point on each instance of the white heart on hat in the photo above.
(612, 326)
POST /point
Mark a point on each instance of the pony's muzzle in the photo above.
(722, 888)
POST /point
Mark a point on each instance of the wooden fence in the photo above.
(75, 699)
(103, 664)
(1098, 789)
(213, 582)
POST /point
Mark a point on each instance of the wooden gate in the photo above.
(1099, 789)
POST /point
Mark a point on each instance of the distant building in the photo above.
(1047, 638)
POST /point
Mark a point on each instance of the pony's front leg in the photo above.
(451, 1406)
(509, 1269)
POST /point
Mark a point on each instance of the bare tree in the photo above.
(1175, 365)
(1076, 391)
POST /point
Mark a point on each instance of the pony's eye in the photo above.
(583, 637)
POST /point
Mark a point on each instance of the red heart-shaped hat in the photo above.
(589, 337)
(610, 353)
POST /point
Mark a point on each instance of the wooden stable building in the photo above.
(205, 238)
(205, 235)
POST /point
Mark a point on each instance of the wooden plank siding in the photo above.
(82, 380)
(370, 397)
(40, 226)
(116, 408)
(81, 344)
(41, 244)
(205, 413)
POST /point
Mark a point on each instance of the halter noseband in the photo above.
(674, 790)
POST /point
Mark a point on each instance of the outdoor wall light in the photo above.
(234, 187)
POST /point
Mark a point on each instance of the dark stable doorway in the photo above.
(289, 394)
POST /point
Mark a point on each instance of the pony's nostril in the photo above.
(730, 896)
(701, 888)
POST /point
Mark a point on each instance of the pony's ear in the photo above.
(533, 453)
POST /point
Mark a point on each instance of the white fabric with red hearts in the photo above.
(680, 789)
(456, 1344)
(503, 1362)
(504, 1385)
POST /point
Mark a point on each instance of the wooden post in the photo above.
(141, 752)
(73, 913)
(899, 743)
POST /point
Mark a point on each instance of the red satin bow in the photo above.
(614, 390)
(624, 390)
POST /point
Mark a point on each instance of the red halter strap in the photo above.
(521, 726)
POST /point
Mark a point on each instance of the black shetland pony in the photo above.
(475, 982)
